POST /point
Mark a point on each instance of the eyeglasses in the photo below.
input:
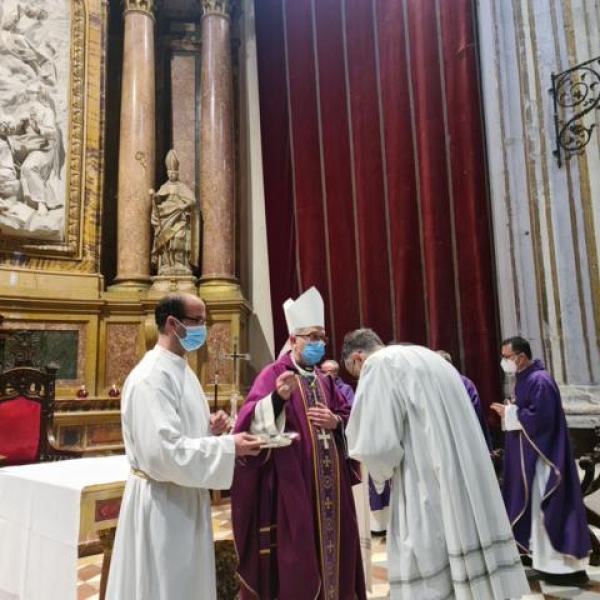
(509, 356)
(349, 364)
(314, 337)
(197, 320)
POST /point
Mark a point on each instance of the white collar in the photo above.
(304, 372)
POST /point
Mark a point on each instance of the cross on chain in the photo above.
(324, 437)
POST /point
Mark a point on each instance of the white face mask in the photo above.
(508, 366)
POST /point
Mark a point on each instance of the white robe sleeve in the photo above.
(164, 452)
(511, 418)
(263, 419)
(375, 429)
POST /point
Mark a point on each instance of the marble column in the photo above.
(546, 216)
(137, 145)
(216, 144)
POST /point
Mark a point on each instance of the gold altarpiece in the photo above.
(52, 288)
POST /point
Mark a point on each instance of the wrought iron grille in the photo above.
(576, 94)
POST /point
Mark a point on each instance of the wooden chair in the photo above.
(586, 448)
(27, 416)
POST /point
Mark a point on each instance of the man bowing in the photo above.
(412, 422)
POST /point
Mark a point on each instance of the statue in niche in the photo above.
(175, 221)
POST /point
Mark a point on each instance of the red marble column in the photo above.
(216, 144)
(137, 145)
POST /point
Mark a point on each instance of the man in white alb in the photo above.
(412, 422)
(164, 544)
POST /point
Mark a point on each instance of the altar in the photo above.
(46, 509)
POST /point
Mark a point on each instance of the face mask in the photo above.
(313, 352)
(508, 366)
(195, 336)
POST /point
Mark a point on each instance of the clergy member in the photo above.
(475, 401)
(292, 509)
(412, 422)
(164, 545)
(332, 368)
(541, 484)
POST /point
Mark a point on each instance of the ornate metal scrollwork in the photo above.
(576, 93)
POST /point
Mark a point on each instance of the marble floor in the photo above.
(88, 572)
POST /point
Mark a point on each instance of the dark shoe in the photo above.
(526, 560)
(379, 533)
(575, 579)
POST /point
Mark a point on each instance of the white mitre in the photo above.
(307, 310)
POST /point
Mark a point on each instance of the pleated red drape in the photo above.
(374, 172)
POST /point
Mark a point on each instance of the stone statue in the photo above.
(176, 225)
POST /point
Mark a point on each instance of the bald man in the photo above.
(164, 543)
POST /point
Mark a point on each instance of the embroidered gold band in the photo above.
(141, 474)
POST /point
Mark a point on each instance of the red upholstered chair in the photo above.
(27, 415)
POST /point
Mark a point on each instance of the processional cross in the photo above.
(235, 356)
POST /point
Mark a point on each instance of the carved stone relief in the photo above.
(35, 54)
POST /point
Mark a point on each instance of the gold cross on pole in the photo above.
(235, 356)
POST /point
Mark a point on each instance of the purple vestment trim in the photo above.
(327, 487)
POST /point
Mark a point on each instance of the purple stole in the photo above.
(327, 489)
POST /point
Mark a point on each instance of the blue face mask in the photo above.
(195, 336)
(313, 352)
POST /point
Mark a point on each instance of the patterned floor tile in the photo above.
(88, 572)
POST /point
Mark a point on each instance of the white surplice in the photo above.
(360, 491)
(448, 536)
(164, 544)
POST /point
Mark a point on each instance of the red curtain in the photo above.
(374, 172)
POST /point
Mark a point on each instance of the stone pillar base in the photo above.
(171, 284)
(582, 405)
(129, 286)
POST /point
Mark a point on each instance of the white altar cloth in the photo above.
(39, 524)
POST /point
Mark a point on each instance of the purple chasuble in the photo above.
(345, 390)
(379, 501)
(476, 402)
(544, 436)
(292, 508)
